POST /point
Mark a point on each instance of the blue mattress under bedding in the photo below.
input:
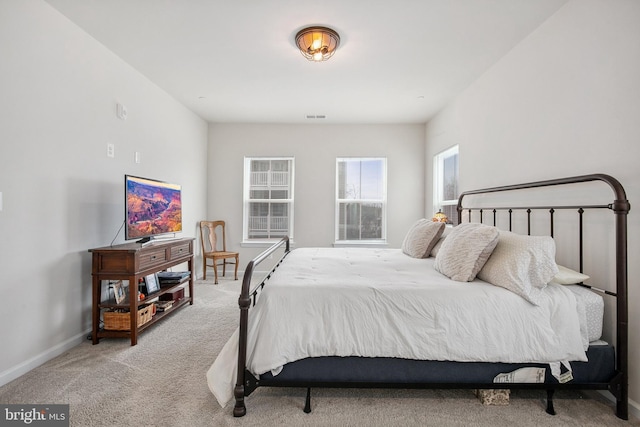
(361, 370)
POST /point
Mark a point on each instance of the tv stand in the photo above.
(144, 240)
(132, 262)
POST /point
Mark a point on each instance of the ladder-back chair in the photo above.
(215, 249)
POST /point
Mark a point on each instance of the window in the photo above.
(268, 198)
(361, 199)
(445, 183)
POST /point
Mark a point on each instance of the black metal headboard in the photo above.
(620, 208)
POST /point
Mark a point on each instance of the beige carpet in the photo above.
(161, 382)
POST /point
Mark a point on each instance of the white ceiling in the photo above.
(235, 60)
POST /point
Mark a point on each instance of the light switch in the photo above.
(137, 157)
(0, 201)
(121, 111)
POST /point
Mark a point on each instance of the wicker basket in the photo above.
(117, 321)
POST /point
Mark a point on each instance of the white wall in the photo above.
(564, 102)
(61, 194)
(315, 148)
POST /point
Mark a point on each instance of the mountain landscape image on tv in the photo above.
(152, 207)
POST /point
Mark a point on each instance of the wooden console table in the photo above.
(131, 262)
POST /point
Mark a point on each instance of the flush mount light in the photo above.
(317, 43)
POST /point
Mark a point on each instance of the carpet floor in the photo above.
(161, 382)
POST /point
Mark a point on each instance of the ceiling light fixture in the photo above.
(317, 43)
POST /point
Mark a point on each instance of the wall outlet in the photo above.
(111, 150)
(121, 112)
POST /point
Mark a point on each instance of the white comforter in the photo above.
(382, 303)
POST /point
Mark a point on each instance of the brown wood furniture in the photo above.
(211, 249)
(132, 262)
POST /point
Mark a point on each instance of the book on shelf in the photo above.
(164, 305)
(173, 277)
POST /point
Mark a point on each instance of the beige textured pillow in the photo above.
(567, 276)
(465, 250)
(522, 264)
(438, 245)
(421, 238)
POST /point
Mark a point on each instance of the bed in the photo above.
(425, 316)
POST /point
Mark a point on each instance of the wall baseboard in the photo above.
(26, 366)
(634, 407)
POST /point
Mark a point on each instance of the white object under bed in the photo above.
(382, 303)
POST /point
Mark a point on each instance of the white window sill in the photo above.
(263, 243)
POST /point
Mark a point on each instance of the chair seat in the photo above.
(221, 254)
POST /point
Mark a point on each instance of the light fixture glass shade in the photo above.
(440, 216)
(317, 43)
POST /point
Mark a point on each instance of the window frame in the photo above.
(439, 202)
(383, 201)
(246, 200)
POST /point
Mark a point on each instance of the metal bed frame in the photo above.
(617, 385)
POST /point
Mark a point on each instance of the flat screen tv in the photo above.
(152, 208)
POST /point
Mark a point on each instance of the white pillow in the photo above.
(567, 276)
(465, 250)
(522, 264)
(421, 238)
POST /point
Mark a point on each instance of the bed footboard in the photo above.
(245, 384)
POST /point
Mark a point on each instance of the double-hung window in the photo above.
(268, 198)
(445, 183)
(361, 200)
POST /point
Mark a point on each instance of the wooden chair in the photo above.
(211, 250)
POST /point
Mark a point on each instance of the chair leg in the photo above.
(204, 269)
(215, 271)
(224, 267)
(237, 261)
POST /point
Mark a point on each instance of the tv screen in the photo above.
(152, 208)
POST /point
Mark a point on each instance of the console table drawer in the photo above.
(112, 263)
(151, 258)
(181, 250)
